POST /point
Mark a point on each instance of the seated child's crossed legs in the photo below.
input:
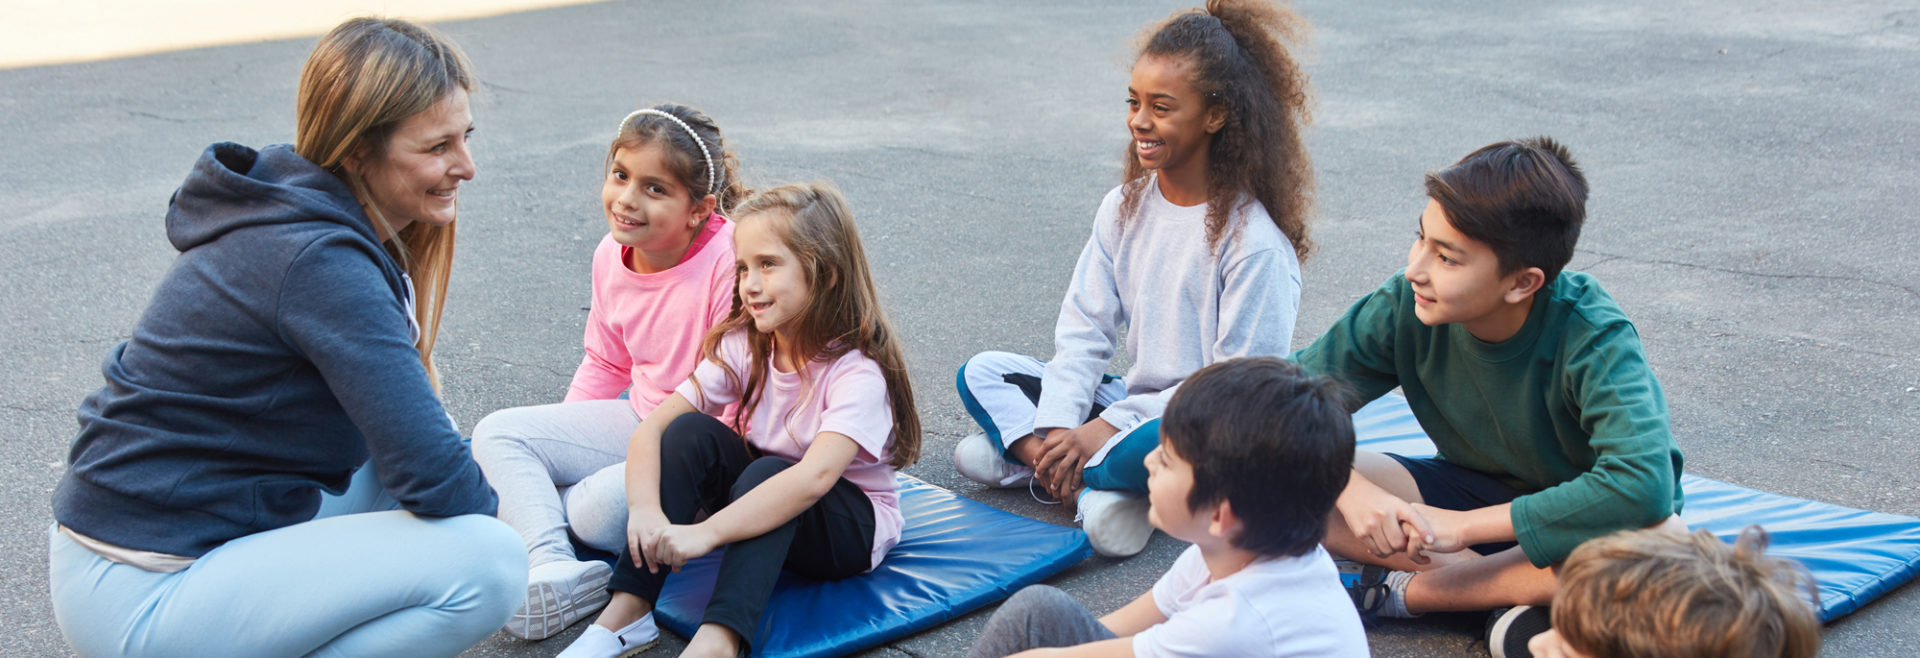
(1410, 514)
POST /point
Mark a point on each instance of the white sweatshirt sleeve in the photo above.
(1085, 334)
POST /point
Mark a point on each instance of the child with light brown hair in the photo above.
(1653, 593)
(803, 478)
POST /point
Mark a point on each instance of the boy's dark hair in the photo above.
(1266, 436)
(1524, 199)
(1238, 59)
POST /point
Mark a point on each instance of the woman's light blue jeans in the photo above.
(350, 582)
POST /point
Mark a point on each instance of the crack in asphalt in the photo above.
(493, 86)
(1766, 275)
(168, 119)
(1805, 342)
(549, 369)
(1863, 471)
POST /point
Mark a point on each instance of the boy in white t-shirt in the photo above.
(1253, 452)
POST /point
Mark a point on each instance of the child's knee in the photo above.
(596, 509)
(989, 366)
(991, 360)
(495, 432)
(689, 426)
(1671, 525)
(688, 436)
(1387, 473)
(503, 435)
(1037, 597)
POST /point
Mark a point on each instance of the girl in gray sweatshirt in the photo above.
(1197, 255)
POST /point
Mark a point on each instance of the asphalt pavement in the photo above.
(1752, 167)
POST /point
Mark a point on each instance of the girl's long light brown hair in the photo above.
(843, 309)
(363, 79)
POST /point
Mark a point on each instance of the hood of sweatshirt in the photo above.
(234, 186)
(272, 363)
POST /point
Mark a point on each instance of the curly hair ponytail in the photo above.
(1238, 59)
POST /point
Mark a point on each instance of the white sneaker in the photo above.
(559, 594)
(598, 642)
(1115, 521)
(976, 458)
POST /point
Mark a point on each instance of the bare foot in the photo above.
(622, 610)
(714, 641)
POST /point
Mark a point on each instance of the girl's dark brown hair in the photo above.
(843, 311)
(1237, 55)
(683, 154)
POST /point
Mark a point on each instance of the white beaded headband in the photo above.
(696, 138)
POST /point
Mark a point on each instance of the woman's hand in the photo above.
(676, 545)
(1380, 520)
(643, 529)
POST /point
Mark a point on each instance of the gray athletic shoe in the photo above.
(559, 594)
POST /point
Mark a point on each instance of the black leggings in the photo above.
(705, 465)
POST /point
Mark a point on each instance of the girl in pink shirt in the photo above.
(804, 477)
(662, 277)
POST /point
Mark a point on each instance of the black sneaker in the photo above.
(1509, 629)
(1366, 584)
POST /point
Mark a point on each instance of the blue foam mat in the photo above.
(1855, 555)
(954, 556)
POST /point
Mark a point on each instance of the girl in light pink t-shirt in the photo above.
(804, 477)
(662, 278)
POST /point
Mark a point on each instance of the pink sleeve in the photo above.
(723, 281)
(722, 304)
(606, 370)
(857, 406)
(708, 388)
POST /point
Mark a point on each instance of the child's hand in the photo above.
(643, 528)
(1446, 533)
(677, 545)
(1065, 452)
(1380, 520)
(1058, 468)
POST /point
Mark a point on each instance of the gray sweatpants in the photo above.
(532, 455)
(1037, 617)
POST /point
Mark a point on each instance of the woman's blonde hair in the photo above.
(1648, 593)
(843, 309)
(363, 79)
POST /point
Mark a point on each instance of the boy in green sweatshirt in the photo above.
(1550, 426)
